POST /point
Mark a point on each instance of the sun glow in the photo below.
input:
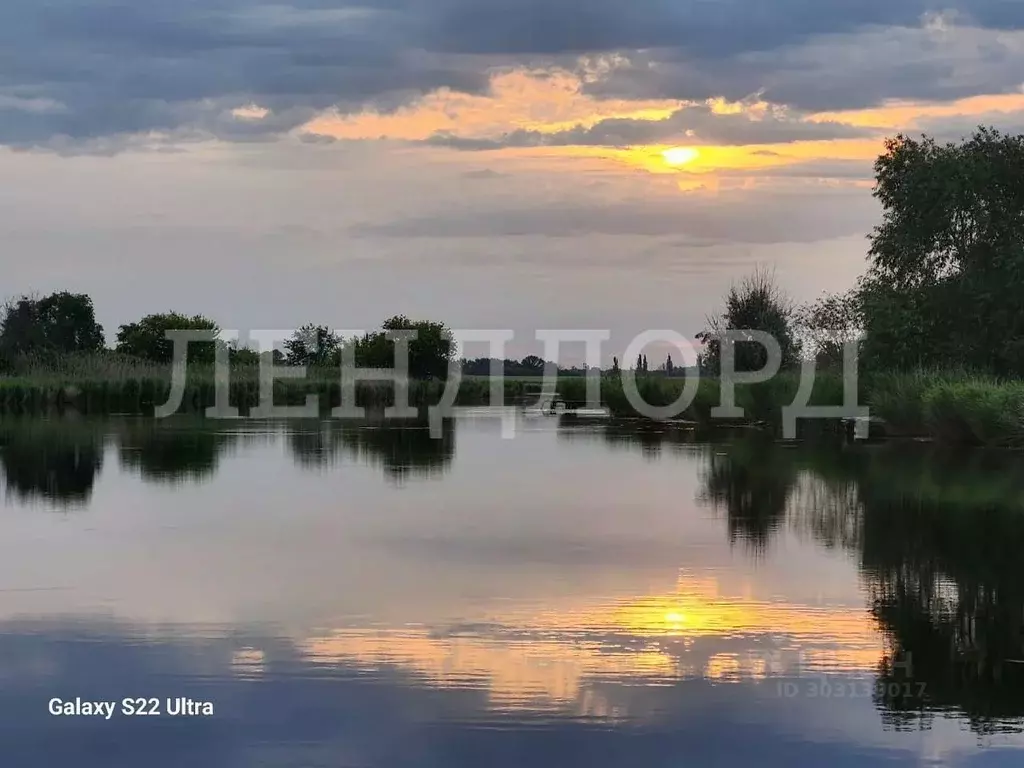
(677, 156)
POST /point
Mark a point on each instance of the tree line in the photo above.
(43, 329)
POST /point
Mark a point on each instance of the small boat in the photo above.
(587, 413)
(558, 407)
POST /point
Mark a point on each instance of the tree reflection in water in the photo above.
(402, 449)
(173, 452)
(938, 538)
(48, 461)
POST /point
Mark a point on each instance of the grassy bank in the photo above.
(949, 407)
(953, 408)
(130, 390)
(762, 403)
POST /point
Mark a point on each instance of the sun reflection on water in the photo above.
(541, 660)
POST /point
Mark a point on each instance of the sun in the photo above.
(677, 156)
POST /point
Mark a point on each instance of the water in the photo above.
(600, 595)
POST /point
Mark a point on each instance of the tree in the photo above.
(615, 365)
(669, 367)
(639, 363)
(58, 324)
(430, 353)
(533, 364)
(757, 304)
(947, 263)
(313, 345)
(147, 339)
(828, 324)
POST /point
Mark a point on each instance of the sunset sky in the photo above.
(521, 164)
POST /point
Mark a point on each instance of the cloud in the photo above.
(124, 68)
(705, 30)
(699, 123)
(81, 71)
(840, 70)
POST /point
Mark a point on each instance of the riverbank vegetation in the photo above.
(938, 319)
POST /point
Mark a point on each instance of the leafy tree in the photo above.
(58, 324)
(147, 339)
(533, 364)
(313, 345)
(645, 363)
(481, 366)
(639, 363)
(669, 367)
(947, 263)
(757, 304)
(615, 365)
(245, 356)
(828, 323)
(430, 353)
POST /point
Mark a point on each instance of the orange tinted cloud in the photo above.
(903, 115)
(712, 159)
(532, 100)
(552, 101)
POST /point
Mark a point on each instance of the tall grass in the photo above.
(975, 412)
(113, 384)
(761, 402)
(955, 407)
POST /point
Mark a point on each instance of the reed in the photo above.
(124, 390)
(761, 402)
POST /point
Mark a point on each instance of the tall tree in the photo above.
(313, 345)
(60, 323)
(533, 364)
(147, 338)
(430, 353)
(827, 324)
(946, 281)
(756, 304)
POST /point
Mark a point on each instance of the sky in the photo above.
(512, 164)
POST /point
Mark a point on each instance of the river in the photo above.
(602, 594)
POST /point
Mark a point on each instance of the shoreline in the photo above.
(947, 408)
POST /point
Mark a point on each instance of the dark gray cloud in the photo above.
(716, 29)
(700, 29)
(697, 124)
(834, 71)
(83, 70)
(92, 69)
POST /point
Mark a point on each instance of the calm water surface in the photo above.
(600, 595)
